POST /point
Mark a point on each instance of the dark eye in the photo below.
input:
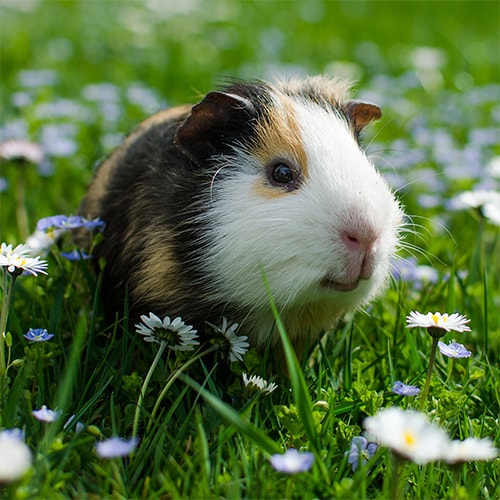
(282, 175)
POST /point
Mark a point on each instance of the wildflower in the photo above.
(259, 383)
(292, 461)
(468, 450)
(408, 270)
(68, 222)
(15, 456)
(38, 335)
(76, 255)
(116, 447)
(487, 202)
(237, 346)
(21, 150)
(408, 434)
(438, 323)
(177, 335)
(46, 415)
(18, 261)
(71, 422)
(454, 350)
(405, 390)
(40, 242)
(361, 451)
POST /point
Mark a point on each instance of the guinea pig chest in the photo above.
(200, 201)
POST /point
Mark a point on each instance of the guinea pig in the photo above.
(256, 179)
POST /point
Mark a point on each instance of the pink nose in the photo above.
(361, 247)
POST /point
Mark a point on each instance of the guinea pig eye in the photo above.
(282, 175)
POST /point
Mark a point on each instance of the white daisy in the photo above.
(447, 322)
(18, 260)
(409, 434)
(178, 335)
(468, 450)
(259, 383)
(237, 344)
(15, 456)
(487, 201)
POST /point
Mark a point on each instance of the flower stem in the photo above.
(172, 379)
(152, 368)
(432, 358)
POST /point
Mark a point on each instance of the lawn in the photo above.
(75, 77)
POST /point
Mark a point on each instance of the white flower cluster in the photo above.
(412, 436)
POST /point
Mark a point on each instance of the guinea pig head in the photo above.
(291, 195)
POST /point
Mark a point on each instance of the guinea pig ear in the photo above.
(212, 122)
(362, 113)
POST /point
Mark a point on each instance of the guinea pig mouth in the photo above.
(340, 287)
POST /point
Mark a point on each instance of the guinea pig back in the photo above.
(257, 178)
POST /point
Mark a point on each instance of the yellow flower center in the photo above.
(409, 438)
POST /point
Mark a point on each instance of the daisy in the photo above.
(236, 345)
(38, 335)
(361, 451)
(46, 415)
(468, 450)
(18, 261)
(21, 150)
(454, 350)
(259, 383)
(447, 322)
(405, 390)
(292, 461)
(408, 434)
(486, 202)
(177, 335)
(15, 456)
(116, 447)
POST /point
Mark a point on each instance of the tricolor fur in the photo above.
(200, 200)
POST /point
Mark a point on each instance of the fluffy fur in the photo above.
(196, 208)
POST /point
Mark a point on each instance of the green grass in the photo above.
(437, 137)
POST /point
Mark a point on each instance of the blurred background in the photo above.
(78, 75)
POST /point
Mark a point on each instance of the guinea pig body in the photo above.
(256, 179)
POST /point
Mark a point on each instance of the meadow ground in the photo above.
(75, 77)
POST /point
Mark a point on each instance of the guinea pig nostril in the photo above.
(351, 241)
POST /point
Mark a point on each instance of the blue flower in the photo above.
(37, 335)
(116, 447)
(404, 389)
(76, 255)
(361, 451)
(68, 222)
(292, 461)
(454, 350)
(44, 414)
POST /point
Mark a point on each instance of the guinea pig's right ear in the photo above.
(212, 122)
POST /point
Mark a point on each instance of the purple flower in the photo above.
(116, 447)
(46, 415)
(454, 350)
(38, 335)
(292, 461)
(68, 222)
(76, 255)
(361, 451)
(404, 389)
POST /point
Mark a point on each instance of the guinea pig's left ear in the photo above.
(212, 123)
(362, 113)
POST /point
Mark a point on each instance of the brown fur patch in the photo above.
(279, 137)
